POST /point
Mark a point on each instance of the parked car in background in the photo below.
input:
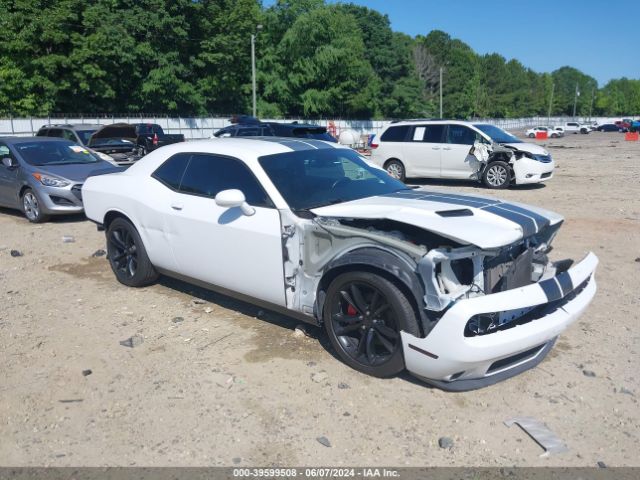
(151, 136)
(551, 132)
(576, 127)
(609, 127)
(624, 124)
(127, 143)
(43, 176)
(457, 289)
(459, 150)
(79, 133)
(245, 126)
(635, 126)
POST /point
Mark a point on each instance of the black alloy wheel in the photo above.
(127, 255)
(364, 314)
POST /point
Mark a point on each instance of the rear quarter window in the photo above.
(170, 173)
(395, 134)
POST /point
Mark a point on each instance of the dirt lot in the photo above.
(232, 385)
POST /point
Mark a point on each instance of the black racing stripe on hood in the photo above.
(444, 198)
(530, 222)
(471, 198)
(541, 222)
(527, 223)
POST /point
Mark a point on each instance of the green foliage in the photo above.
(314, 59)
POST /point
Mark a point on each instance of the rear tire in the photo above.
(32, 207)
(127, 255)
(363, 314)
(497, 175)
(396, 169)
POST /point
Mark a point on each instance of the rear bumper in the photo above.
(452, 361)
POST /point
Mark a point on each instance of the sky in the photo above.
(593, 36)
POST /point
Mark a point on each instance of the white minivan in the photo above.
(459, 150)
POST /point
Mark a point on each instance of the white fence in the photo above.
(194, 128)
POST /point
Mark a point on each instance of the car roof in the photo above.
(435, 122)
(18, 140)
(74, 126)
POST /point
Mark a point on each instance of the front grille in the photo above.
(77, 191)
(545, 175)
(512, 269)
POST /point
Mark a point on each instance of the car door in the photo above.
(8, 179)
(423, 149)
(220, 245)
(457, 162)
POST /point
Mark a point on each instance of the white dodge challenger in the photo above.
(456, 289)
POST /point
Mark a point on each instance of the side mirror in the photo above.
(234, 198)
(9, 162)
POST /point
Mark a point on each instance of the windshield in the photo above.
(315, 178)
(85, 135)
(497, 134)
(54, 153)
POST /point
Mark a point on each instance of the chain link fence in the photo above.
(194, 128)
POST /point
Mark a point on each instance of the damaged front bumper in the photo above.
(527, 170)
(454, 361)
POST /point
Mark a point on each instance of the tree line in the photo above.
(192, 57)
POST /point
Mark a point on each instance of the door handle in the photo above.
(447, 148)
(176, 206)
(435, 148)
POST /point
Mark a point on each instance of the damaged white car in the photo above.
(456, 289)
(448, 149)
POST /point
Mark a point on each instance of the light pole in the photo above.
(440, 92)
(253, 66)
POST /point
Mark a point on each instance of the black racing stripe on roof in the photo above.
(526, 223)
(292, 143)
(316, 143)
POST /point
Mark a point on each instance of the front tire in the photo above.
(127, 255)
(396, 169)
(363, 315)
(532, 135)
(32, 208)
(497, 175)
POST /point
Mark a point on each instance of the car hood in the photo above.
(481, 221)
(75, 172)
(527, 147)
(116, 130)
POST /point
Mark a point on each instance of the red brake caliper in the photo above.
(352, 312)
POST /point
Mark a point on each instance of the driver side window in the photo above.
(207, 175)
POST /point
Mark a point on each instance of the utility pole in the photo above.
(440, 92)
(553, 87)
(593, 94)
(575, 101)
(253, 66)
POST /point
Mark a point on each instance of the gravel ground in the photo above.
(220, 382)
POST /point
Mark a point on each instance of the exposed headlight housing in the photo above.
(104, 156)
(49, 180)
